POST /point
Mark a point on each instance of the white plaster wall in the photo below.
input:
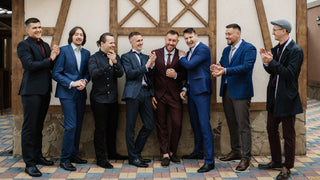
(93, 16)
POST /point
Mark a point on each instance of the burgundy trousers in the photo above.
(289, 136)
(165, 105)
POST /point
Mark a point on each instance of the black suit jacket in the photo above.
(104, 78)
(37, 68)
(287, 101)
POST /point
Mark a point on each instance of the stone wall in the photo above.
(53, 133)
(314, 92)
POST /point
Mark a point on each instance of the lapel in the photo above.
(82, 63)
(35, 46)
(73, 58)
(195, 50)
(135, 62)
(236, 54)
(160, 59)
(285, 52)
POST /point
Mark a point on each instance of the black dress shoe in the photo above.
(144, 160)
(243, 165)
(205, 168)
(33, 171)
(118, 157)
(193, 156)
(76, 159)
(104, 164)
(284, 174)
(138, 163)
(67, 166)
(230, 157)
(270, 165)
(43, 161)
(165, 162)
(174, 158)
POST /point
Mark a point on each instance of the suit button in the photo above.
(108, 92)
(108, 85)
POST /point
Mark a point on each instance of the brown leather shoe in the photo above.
(243, 165)
(230, 157)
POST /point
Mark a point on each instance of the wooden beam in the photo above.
(134, 10)
(63, 13)
(163, 14)
(263, 24)
(17, 36)
(302, 41)
(212, 42)
(194, 12)
(160, 31)
(113, 18)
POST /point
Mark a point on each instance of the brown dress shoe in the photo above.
(243, 165)
(230, 157)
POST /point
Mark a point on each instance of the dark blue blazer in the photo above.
(198, 70)
(66, 70)
(239, 71)
(134, 74)
(37, 68)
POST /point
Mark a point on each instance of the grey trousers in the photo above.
(237, 115)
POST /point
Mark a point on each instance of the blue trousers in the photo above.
(73, 110)
(199, 111)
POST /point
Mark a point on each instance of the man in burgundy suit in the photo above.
(167, 81)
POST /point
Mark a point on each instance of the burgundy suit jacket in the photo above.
(162, 83)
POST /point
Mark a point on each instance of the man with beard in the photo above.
(72, 76)
(235, 67)
(167, 80)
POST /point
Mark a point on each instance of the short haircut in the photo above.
(173, 32)
(73, 31)
(234, 26)
(189, 31)
(103, 38)
(134, 34)
(31, 20)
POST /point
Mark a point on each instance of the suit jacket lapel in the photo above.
(238, 51)
(82, 59)
(36, 46)
(175, 58)
(73, 59)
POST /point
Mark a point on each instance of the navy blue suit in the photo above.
(236, 91)
(35, 96)
(72, 100)
(199, 89)
(138, 100)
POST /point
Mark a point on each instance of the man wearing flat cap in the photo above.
(283, 64)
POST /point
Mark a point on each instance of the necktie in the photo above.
(144, 75)
(40, 44)
(168, 59)
(190, 54)
(230, 54)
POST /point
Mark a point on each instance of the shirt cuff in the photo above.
(184, 89)
(70, 85)
(266, 64)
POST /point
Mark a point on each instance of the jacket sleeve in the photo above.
(86, 73)
(201, 55)
(96, 70)
(248, 63)
(292, 69)
(118, 69)
(58, 70)
(26, 57)
(131, 73)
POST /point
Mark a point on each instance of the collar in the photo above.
(166, 52)
(285, 44)
(238, 44)
(75, 48)
(135, 51)
(38, 41)
(192, 49)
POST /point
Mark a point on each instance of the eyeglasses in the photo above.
(274, 30)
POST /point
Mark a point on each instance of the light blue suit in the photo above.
(72, 100)
(199, 89)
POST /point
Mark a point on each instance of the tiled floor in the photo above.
(306, 167)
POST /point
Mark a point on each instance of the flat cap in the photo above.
(283, 24)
